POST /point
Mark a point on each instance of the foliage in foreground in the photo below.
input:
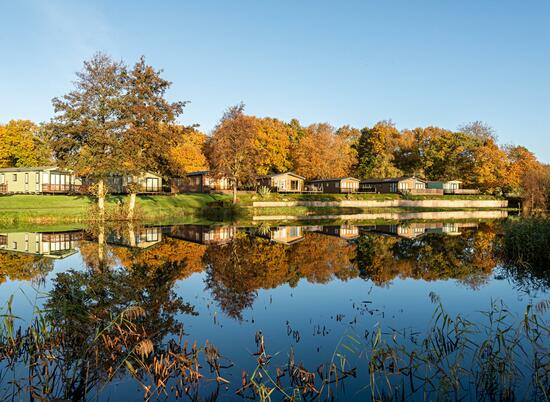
(499, 358)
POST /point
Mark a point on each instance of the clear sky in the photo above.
(418, 63)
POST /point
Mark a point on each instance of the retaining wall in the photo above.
(386, 204)
(397, 216)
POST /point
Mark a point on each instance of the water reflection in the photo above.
(240, 260)
(131, 275)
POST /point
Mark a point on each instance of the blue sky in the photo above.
(418, 63)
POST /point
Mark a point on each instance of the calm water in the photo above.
(305, 288)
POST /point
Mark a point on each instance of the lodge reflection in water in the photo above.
(47, 244)
(63, 244)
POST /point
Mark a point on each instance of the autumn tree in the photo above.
(273, 142)
(87, 133)
(521, 161)
(22, 145)
(536, 190)
(116, 121)
(375, 151)
(321, 153)
(188, 155)
(231, 150)
(150, 131)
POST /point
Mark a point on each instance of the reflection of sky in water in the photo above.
(309, 317)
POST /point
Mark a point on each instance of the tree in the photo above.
(536, 190)
(150, 132)
(21, 145)
(231, 149)
(87, 133)
(115, 121)
(320, 153)
(520, 162)
(375, 151)
(273, 140)
(189, 153)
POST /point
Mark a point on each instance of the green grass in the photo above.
(64, 209)
(49, 209)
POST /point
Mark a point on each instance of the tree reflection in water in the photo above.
(121, 310)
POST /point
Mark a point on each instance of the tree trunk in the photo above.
(131, 206)
(101, 199)
(234, 191)
(131, 235)
(101, 246)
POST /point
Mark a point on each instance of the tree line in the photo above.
(117, 120)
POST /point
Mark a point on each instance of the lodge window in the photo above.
(37, 177)
(393, 187)
(151, 184)
(15, 177)
(26, 178)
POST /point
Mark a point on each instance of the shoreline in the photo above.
(55, 209)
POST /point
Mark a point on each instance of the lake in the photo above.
(296, 311)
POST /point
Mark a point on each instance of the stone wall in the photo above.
(396, 216)
(386, 204)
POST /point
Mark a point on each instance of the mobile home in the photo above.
(38, 180)
(282, 182)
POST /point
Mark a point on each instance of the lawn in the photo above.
(64, 208)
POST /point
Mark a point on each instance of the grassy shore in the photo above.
(64, 209)
(56, 209)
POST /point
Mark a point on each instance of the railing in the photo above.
(61, 188)
(3, 188)
(463, 191)
(349, 190)
(422, 191)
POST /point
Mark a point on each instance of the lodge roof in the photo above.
(392, 179)
(27, 169)
(334, 179)
(281, 174)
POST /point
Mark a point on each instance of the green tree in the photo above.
(375, 151)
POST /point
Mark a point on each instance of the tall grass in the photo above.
(499, 357)
(527, 242)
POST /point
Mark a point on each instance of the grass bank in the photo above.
(47, 209)
(62, 209)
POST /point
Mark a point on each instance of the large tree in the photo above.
(22, 145)
(115, 121)
(189, 153)
(87, 133)
(321, 153)
(375, 151)
(150, 131)
(273, 139)
(231, 150)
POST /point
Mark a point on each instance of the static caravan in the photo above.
(38, 180)
(403, 184)
(282, 182)
(451, 187)
(336, 185)
(148, 182)
(199, 182)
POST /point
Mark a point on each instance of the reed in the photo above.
(498, 357)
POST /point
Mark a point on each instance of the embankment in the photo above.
(459, 204)
(393, 216)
